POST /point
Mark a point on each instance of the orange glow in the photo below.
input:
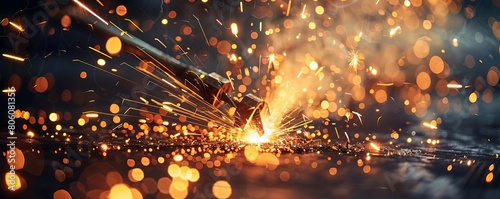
(421, 48)
(120, 191)
(429, 125)
(251, 153)
(174, 170)
(381, 96)
(178, 158)
(83, 75)
(222, 189)
(136, 175)
(41, 84)
(53, 117)
(176, 193)
(145, 161)
(30, 134)
(456, 86)
(489, 177)
(269, 160)
(18, 27)
(114, 45)
(423, 80)
(92, 115)
(61, 194)
(121, 10)
(90, 11)
(179, 183)
(332, 171)
(66, 21)
(493, 76)
(374, 146)
(436, 64)
(234, 29)
(164, 184)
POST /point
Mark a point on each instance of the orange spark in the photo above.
(90, 11)
(14, 57)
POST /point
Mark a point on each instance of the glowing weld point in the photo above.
(90, 11)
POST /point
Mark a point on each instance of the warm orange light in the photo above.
(222, 189)
(114, 45)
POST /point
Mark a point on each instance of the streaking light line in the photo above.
(90, 11)
(13, 57)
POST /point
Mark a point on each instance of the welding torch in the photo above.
(211, 87)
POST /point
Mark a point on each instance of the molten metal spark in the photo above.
(90, 11)
(92, 115)
(429, 125)
(18, 27)
(234, 29)
(14, 57)
(354, 60)
(375, 146)
(456, 86)
(394, 31)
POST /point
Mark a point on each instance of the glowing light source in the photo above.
(354, 60)
(113, 45)
(394, 31)
(431, 126)
(12, 180)
(101, 62)
(92, 115)
(375, 146)
(14, 57)
(457, 86)
(18, 27)
(30, 134)
(178, 158)
(222, 189)
(120, 191)
(90, 11)
(234, 29)
(9, 90)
